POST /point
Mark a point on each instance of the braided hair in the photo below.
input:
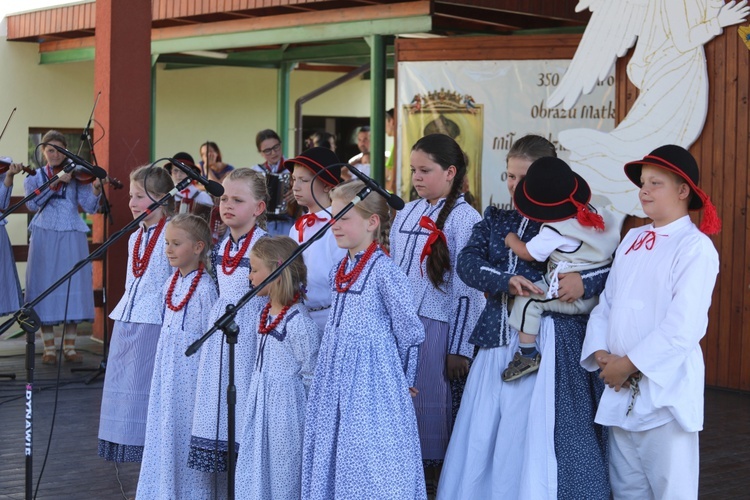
(446, 152)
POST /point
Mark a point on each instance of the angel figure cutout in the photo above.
(669, 68)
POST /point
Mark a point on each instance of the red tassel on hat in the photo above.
(588, 218)
(711, 223)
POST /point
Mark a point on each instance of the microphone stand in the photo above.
(67, 169)
(227, 325)
(86, 137)
(107, 212)
(29, 321)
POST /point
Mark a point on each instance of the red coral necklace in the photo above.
(140, 264)
(193, 286)
(229, 264)
(263, 327)
(345, 280)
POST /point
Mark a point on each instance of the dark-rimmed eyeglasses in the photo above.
(272, 149)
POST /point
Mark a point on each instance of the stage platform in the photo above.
(74, 471)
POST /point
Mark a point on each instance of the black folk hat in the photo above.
(186, 159)
(552, 192)
(318, 159)
(678, 160)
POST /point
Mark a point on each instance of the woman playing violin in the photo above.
(57, 242)
(10, 289)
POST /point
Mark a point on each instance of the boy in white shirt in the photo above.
(644, 335)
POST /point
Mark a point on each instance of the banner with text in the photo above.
(486, 106)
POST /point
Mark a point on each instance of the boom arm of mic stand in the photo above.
(93, 255)
(67, 169)
(227, 319)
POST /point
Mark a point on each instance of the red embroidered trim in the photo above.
(229, 264)
(193, 286)
(344, 280)
(263, 328)
(140, 264)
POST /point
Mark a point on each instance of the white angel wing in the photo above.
(612, 30)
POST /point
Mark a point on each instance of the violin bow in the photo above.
(6, 123)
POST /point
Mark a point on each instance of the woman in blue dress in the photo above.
(534, 437)
(10, 288)
(57, 242)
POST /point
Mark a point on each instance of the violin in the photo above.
(83, 176)
(5, 166)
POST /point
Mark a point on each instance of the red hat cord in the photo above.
(322, 167)
(711, 222)
(585, 216)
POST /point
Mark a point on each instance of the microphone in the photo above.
(394, 201)
(97, 171)
(213, 187)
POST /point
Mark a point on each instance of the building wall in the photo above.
(229, 105)
(225, 105)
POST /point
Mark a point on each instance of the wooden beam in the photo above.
(488, 47)
(408, 17)
(502, 18)
(327, 17)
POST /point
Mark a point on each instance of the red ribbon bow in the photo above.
(435, 234)
(185, 193)
(307, 220)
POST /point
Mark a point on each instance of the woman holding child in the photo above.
(533, 437)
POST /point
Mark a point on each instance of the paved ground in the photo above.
(74, 471)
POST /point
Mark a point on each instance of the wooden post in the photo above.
(122, 73)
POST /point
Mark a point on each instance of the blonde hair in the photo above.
(257, 184)
(157, 182)
(373, 204)
(198, 230)
(272, 251)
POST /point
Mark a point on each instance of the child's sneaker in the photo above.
(521, 366)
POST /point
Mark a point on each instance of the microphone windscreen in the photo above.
(99, 172)
(215, 189)
(396, 203)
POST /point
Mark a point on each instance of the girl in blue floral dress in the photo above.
(269, 464)
(426, 237)
(361, 438)
(243, 211)
(122, 423)
(187, 298)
